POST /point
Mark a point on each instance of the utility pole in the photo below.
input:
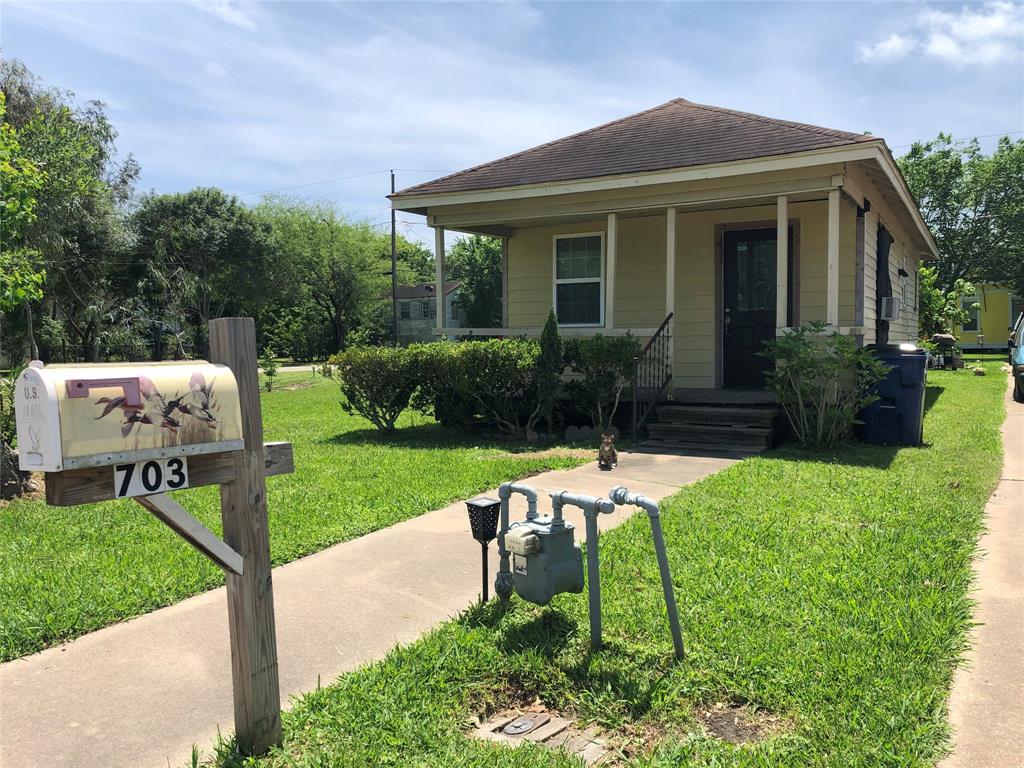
(394, 267)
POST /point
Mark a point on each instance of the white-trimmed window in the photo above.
(579, 278)
(971, 307)
(404, 312)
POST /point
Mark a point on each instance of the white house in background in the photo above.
(417, 310)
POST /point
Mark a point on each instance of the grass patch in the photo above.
(67, 571)
(824, 602)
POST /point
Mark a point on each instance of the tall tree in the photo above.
(476, 263)
(206, 252)
(76, 228)
(21, 280)
(974, 205)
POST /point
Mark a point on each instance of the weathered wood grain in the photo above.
(175, 517)
(88, 486)
(254, 665)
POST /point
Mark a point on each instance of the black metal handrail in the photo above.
(652, 374)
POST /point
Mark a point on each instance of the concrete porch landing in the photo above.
(141, 693)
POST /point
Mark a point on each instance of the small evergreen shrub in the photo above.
(822, 380)
(377, 382)
(603, 368)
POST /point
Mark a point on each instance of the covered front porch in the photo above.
(675, 270)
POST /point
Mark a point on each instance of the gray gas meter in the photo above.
(546, 560)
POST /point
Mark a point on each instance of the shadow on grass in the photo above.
(931, 395)
(546, 634)
(434, 435)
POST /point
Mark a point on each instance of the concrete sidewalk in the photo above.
(986, 705)
(141, 693)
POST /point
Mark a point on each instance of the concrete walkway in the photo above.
(986, 705)
(141, 693)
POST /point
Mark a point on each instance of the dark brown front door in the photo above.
(748, 303)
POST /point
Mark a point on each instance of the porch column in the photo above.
(609, 291)
(781, 264)
(439, 276)
(670, 278)
(832, 286)
(504, 282)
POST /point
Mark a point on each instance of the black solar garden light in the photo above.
(483, 521)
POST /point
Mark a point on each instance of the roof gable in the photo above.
(676, 134)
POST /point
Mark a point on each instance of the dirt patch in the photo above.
(738, 723)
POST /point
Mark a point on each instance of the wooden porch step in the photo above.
(712, 434)
(711, 414)
(725, 451)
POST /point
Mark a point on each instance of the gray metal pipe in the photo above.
(503, 584)
(622, 495)
(592, 506)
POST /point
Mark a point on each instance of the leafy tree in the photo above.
(76, 230)
(206, 253)
(942, 312)
(476, 263)
(20, 182)
(974, 205)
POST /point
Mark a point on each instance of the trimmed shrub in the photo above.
(822, 380)
(377, 382)
(604, 368)
(467, 382)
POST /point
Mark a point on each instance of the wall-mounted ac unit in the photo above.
(889, 309)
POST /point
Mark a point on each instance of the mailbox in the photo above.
(74, 416)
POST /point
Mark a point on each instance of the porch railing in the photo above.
(652, 374)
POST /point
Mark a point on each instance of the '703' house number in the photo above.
(142, 478)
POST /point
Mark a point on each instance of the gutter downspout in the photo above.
(592, 507)
(622, 495)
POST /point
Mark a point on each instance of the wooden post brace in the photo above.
(177, 518)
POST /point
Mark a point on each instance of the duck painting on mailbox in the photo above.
(72, 416)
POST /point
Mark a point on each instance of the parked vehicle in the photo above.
(1016, 338)
(1016, 344)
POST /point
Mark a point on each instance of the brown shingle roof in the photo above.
(422, 290)
(676, 134)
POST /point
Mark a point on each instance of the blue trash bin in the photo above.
(897, 417)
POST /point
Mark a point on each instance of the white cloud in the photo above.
(214, 69)
(230, 11)
(985, 35)
(892, 48)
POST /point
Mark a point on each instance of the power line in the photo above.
(963, 138)
(343, 178)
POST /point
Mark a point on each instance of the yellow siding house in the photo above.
(707, 228)
(988, 327)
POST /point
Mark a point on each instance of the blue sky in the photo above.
(263, 96)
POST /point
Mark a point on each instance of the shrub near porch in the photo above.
(828, 590)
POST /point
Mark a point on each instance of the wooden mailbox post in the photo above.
(214, 455)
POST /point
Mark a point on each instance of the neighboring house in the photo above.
(736, 224)
(988, 327)
(417, 311)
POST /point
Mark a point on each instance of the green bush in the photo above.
(377, 382)
(547, 379)
(466, 382)
(603, 368)
(822, 380)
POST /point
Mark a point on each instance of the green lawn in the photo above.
(830, 592)
(67, 571)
